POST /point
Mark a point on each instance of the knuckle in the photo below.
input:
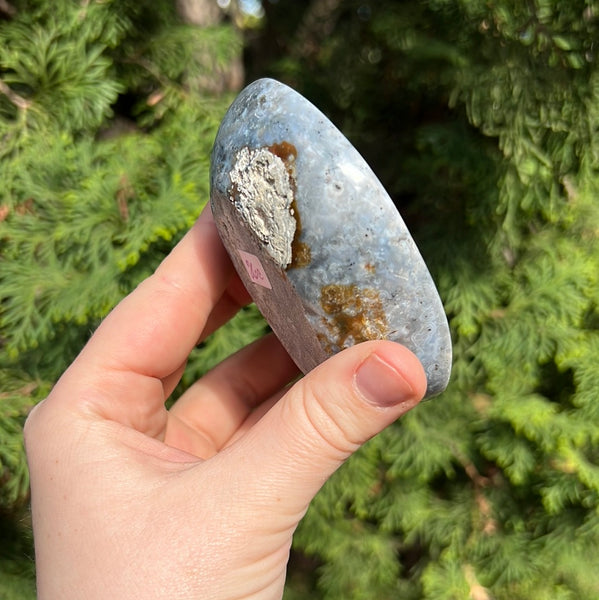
(328, 417)
(33, 429)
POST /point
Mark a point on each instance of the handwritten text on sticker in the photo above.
(254, 269)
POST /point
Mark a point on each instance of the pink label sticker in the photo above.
(254, 269)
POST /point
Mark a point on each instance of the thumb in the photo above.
(325, 417)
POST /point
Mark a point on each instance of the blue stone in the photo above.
(316, 238)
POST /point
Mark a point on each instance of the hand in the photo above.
(130, 500)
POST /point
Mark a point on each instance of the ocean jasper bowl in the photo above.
(316, 239)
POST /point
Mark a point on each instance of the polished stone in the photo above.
(315, 237)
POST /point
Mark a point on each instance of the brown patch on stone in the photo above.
(354, 315)
(287, 153)
(301, 255)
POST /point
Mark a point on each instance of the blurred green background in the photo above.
(480, 118)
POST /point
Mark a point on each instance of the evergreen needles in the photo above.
(481, 119)
(107, 115)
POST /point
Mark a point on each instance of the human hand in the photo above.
(130, 500)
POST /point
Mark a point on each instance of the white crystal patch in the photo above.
(263, 194)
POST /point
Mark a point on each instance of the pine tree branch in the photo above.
(479, 482)
(18, 101)
(24, 391)
(147, 65)
(124, 193)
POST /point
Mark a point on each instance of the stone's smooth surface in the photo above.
(354, 273)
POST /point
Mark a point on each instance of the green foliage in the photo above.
(16, 554)
(480, 119)
(107, 115)
(19, 394)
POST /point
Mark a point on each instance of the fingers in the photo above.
(235, 297)
(152, 331)
(130, 363)
(324, 418)
(214, 408)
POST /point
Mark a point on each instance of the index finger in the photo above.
(151, 332)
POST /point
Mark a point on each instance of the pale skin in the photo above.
(131, 500)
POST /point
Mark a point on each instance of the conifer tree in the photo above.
(107, 115)
(481, 119)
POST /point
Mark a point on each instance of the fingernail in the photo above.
(381, 384)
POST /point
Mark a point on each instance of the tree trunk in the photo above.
(199, 12)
